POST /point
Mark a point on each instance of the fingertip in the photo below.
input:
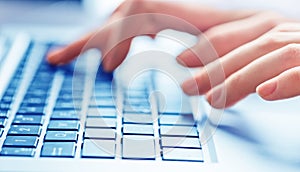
(266, 90)
(54, 56)
(190, 87)
(182, 58)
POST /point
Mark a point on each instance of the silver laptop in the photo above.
(78, 117)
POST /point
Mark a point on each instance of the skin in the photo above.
(247, 43)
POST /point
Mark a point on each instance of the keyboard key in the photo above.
(100, 133)
(65, 115)
(63, 125)
(137, 118)
(98, 148)
(61, 136)
(4, 106)
(34, 100)
(138, 147)
(4, 113)
(27, 130)
(38, 110)
(105, 102)
(181, 154)
(58, 149)
(138, 129)
(102, 112)
(28, 120)
(187, 120)
(178, 131)
(136, 109)
(10, 151)
(101, 122)
(180, 142)
(21, 141)
(2, 122)
(1, 131)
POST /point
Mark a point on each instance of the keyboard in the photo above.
(54, 112)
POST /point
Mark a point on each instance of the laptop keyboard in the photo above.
(49, 111)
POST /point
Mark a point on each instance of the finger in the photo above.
(245, 81)
(226, 37)
(285, 85)
(237, 59)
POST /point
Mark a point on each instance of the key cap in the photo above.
(1, 131)
(65, 115)
(187, 120)
(106, 102)
(4, 106)
(181, 154)
(58, 149)
(34, 100)
(21, 141)
(28, 120)
(10, 151)
(102, 112)
(4, 113)
(98, 148)
(138, 129)
(99, 133)
(2, 122)
(101, 122)
(180, 142)
(32, 110)
(70, 136)
(137, 118)
(178, 131)
(137, 109)
(63, 125)
(138, 147)
(28, 130)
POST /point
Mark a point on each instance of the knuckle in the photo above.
(271, 18)
(295, 75)
(291, 55)
(273, 39)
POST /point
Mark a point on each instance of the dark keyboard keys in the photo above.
(58, 149)
(21, 141)
(70, 136)
(1, 131)
(98, 148)
(100, 133)
(2, 122)
(38, 110)
(26, 130)
(180, 154)
(63, 125)
(138, 147)
(4, 113)
(4, 106)
(28, 120)
(65, 115)
(11, 151)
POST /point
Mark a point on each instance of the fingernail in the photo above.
(190, 87)
(216, 97)
(53, 57)
(267, 89)
(182, 57)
